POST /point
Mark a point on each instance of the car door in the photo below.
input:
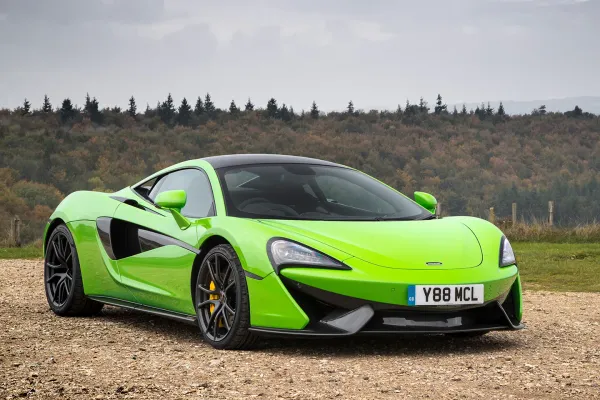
(158, 255)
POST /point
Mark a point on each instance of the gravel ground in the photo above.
(124, 354)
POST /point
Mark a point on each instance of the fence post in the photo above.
(551, 213)
(514, 214)
(492, 217)
(438, 210)
(15, 231)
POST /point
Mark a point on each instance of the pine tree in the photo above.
(292, 113)
(87, 107)
(67, 112)
(166, 110)
(542, 109)
(272, 108)
(489, 111)
(350, 108)
(47, 106)
(132, 110)
(463, 111)
(233, 109)
(314, 111)
(501, 111)
(26, 107)
(439, 106)
(284, 113)
(209, 106)
(478, 112)
(199, 109)
(454, 112)
(94, 111)
(249, 106)
(184, 113)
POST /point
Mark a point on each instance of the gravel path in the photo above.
(124, 354)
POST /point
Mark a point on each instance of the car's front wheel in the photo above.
(222, 304)
(62, 276)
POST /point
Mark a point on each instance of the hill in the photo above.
(469, 162)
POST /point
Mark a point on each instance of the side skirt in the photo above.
(188, 319)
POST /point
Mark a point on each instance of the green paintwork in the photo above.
(426, 201)
(174, 199)
(385, 256)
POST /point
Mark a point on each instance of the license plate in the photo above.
(421, 295)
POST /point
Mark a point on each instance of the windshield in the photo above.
(311, 192)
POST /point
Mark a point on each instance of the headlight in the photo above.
(507, 255)
(284, 252)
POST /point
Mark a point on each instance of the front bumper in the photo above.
(335, 315)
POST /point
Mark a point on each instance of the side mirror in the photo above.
(426, 201)
(174, 201)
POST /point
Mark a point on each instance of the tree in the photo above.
(454, 112)
(209, 106)
(46, 106)
(132, 110)
(314, 110)
(463, 111)
(350, 108)
(249, 106)
(399, 110)
(92, 109)
(199, 109)
(26, 107)
(88, 104)
(577, 112)
(67, 111)
(184, 113)
(439, 106)
(284, 113)
(501, 111)
(542, 109)
(272, 108)
(166, 111)
(489, 111)
(233, 109)
(423, 107)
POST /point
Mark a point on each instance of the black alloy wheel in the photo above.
(221, 298)
(62, 277)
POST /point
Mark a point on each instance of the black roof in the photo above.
(246, 159)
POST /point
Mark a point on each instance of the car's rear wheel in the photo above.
(222, 304)
(62, 276)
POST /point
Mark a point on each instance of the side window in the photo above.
(197, 187)
(145, 188)
(344, 192)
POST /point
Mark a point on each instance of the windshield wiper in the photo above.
(432, 216)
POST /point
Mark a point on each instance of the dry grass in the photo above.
(541, 232)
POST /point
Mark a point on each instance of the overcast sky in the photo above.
(377, 52)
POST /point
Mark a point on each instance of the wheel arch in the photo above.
(207, 245)
(51, 227)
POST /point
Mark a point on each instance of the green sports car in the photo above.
(253, 244)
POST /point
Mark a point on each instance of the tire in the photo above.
(222, 303)
(62, 277)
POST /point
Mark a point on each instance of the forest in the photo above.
(469, 159)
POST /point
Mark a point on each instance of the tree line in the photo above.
(205, 110)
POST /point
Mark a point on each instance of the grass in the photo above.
(572, 267)
(544, 233)
(543, 266)
(20, 252)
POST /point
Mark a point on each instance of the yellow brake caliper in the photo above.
(214, 297)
